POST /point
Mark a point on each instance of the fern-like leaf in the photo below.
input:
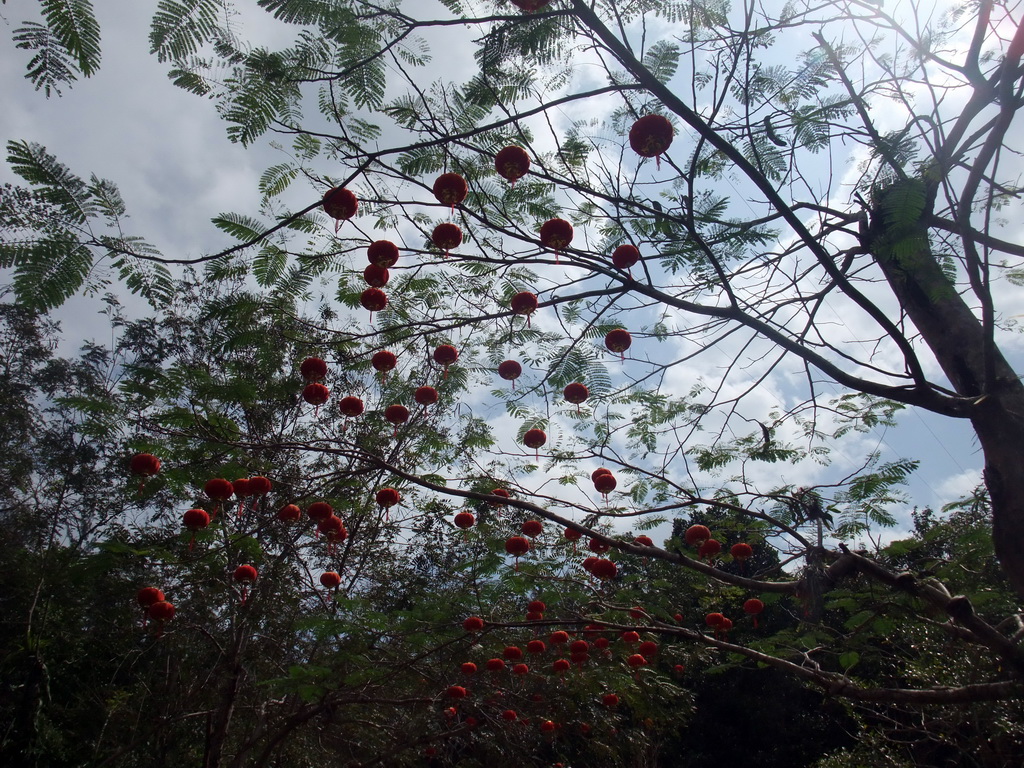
(180, 29)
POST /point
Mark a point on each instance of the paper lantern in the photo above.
(650, 136)
(446, 236)
(313, 369)
(450, 189)
(383, 253)
(512, 163)
(340, 204)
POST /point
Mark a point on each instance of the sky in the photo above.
(166, 150)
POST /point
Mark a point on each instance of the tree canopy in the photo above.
(714, 239)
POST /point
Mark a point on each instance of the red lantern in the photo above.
(383, 253)
(517, 546)
(513, 653)
(643, 541)
(601, 643)
(530, 5)
(450, 189)
(630, 636)
(509, 715)
(560, 665)
(610, 700)
(598, 545)
(245, 575)
(195, 520)
(535, 438)
(373, 299)
(446, 236)
(259, 486)
(445, 355)
(319, 510)
(464, 520)
(512, 163)
(161, 611)
(520, 669)
(242, 491)
(618, 340)
(316, 394)
(313, 369)
(376, 276)
(340, 204)
(576, 393)
(605, 484)
(571, 534)
(709, 549)
(753, 606)
(558, 637)
(495, 665)
(456, 692)
(149, 595)
(599, 471)
(534, 616)
(533, 527)
(647, 648)
(501, 492)
(333, 530)
(289, 513)
(714, 620)
(537, 606)
(426, 396)
(468, 668)
(397, 415)
(330, 579)
(547, 726)
(350, 406)
(524, 303)
(384, 361)
(536, 647)
(636, 661)
(696, 535)
(556, 234)
(625, 256)
(650, 136)
(473, 624)
(218, 489)
(741, 551)
(589, 563)
(605, 569)
(510, 370)
(388, 497)
(144, 465)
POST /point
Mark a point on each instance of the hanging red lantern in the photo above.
(576, 393)
(625, 256)
(245, 575)
(383, 253)
(144, 465)
(618, 341)
(376, 276)
(426, 396)
(696, 535)
(533, 528)
(464, 520)
(513, 653)
(259, 486)
(509, 716)
(517, 546)
(636, 612)
(741, 551)
(195, 520)
(149, 595)
(636, 661)
(558, 637)
(495, 665)
(535, 438)
(319, 511)
(468, 668)
(520, 669)
(512, 163)
(316, 394)
(473, 624)
(313, 369)
(384, 361)
(643, 541)
(650, 136)
(560, 665)
(242, 492)
(571, 534)
(536, 606)
(534, 616)
(289, 513)
(556, 234)
(388, 497)
(630, 636)
(579, 647)
(333, 530)
(373, 299)
(351, 406)
(510, 370)
(396, 414)
(714, 620)
(709, 549)
(605, 569)
(330, 579)
(753, 606)
(589, 563)
(502, 493)
(340, 204)
(450, 189)
(445, 355)
(610, 700)
(548, 725)
(605, 484)
(456, 692)
(599, 471)
(601, 643)
(647, 649)
(598, 545)
(446, 236)
(536, 647)
(219, 490)
(161, 611)
(524, 303)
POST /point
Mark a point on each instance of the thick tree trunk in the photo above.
(992, 391)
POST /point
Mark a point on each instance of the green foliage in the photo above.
(69, 42)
